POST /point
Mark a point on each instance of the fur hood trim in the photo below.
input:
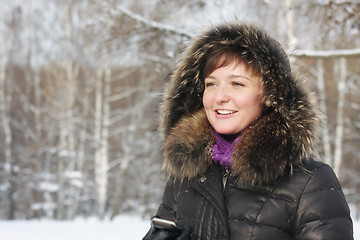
(281, 138)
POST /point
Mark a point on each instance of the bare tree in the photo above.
(341, 86)
(102, 115)
(5, 99)
(323, 109)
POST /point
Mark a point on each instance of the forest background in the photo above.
(80, 84)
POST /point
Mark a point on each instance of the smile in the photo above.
(224, 112)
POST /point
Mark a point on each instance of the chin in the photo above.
(226, 131)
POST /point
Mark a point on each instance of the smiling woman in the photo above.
(239, 135)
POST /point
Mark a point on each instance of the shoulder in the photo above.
(308, 181)
(320, 176)
(322, 211)
(310, 175)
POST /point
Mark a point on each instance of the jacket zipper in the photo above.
(225, 178)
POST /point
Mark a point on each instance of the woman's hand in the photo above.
(163, 234)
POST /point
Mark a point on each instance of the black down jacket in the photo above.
(307, 205)
(273, 189)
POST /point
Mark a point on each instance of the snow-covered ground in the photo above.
(124, 227)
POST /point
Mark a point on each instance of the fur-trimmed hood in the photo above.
(280, 139)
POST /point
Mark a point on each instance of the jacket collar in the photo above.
(267, 149)
(211, 187)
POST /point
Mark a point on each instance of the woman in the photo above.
(239, 132)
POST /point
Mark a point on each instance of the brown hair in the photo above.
(222, 58)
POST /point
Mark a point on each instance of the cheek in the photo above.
(250, 102)
(206, 100)
(257, 106)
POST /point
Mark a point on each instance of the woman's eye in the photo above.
(238, 84)
(209, 84)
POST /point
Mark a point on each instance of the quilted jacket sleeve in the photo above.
(323, 212)
(167, 209)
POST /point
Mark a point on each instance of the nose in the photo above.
(222, 95)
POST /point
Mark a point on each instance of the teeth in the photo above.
(224, 112)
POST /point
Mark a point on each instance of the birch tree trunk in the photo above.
(104, 164)
(5, 100)
(37, 157)
(67, 142)
(62, 153)
(80, 159)
(98, 126)
(341, 63)
(102, 125)
(102, 115)
(70, 76)
(7, 140)
(323, 109)
(291, 39)
(125, 161)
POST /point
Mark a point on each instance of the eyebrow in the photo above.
(231, 76)
(239, 76)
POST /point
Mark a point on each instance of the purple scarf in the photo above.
(223, 148)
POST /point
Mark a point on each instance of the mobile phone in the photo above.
(165, 224)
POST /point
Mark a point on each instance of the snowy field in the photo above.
(123, 228)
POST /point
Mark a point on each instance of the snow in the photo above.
(357, 230)
(123, 227)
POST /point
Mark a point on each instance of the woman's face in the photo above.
(232, 98)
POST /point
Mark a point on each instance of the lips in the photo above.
(224, 112)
